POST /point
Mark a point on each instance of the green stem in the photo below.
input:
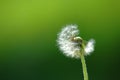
(84, 66)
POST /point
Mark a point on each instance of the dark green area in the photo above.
(28, 33)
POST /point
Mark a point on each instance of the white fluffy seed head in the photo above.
(89, 47)
(69, 47)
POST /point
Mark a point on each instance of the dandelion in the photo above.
(74, 46)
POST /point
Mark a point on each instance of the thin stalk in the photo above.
(85, 74)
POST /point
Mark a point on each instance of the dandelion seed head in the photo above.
(71, 44)
(66, 41)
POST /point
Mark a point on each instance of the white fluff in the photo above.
(69, 47)
(89, 47)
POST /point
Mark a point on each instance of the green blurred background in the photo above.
(28, 33)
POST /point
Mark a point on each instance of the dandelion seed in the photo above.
(89, 47)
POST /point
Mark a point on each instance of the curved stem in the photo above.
(84, 67)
